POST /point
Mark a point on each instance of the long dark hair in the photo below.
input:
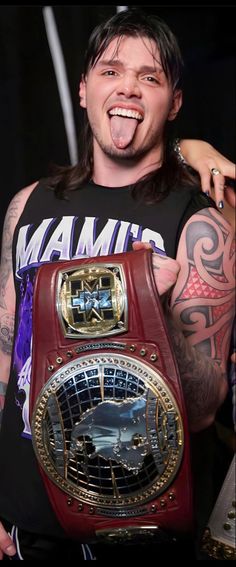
(157, 184)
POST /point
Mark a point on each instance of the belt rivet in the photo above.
(153, 357)
(143, 352)
(231, 514)
(171, 496)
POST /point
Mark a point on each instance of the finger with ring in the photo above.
(215, 171)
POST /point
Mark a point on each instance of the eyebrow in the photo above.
(143, 69)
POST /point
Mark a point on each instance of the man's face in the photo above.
(128, 98)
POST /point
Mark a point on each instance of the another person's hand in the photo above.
(165, 269)
(6, 544)
(204, 158)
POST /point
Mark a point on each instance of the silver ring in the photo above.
(215, 171)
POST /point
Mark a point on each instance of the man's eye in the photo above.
(109, 73)
(151, 79)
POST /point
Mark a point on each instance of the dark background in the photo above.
(31, 120)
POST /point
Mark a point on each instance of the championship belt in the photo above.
(107, 413)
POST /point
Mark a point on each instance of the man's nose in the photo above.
(129, 86)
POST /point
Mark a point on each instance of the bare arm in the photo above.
(7, 315)
(7, 300)
(202, 307)
(7, 291)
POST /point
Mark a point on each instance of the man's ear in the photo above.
(82, 92)
(176, 104)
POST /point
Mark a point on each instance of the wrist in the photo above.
(177, 149)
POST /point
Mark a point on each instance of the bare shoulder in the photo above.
(213, 215)
(208, 223)
(16, 207)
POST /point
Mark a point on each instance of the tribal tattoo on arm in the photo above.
(202, 311)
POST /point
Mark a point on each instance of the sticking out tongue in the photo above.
(123, 130)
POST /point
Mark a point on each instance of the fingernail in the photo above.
(207, 193)
(10, 550)
(220, 205)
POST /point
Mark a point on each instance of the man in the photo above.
(128, 191)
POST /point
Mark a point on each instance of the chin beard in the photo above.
(129, 153)
(126, 154)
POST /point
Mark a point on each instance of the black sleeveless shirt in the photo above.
(95, 220)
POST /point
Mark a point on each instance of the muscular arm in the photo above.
(7, 291)
(7, 300)
(202, 306)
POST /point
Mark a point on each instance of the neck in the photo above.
(110, 172)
